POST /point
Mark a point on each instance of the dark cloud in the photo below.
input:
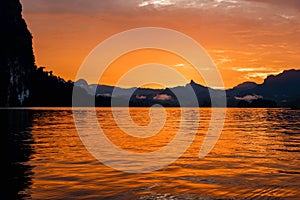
(96, 6)
(284, 3)
(249, 98)
(77, 6)
(162, 97)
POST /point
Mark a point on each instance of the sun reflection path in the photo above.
(144, 38)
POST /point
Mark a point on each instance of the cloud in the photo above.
(218, 51)
(78, 6)
(261, 75)
(283, 3)
(245, 69)
(226, 1)
(179, 65)
(162, 97)
(157, 3)
(92, 6)
(287, 17)
(104, 95)
(201, 3)
(223, 60)
(257, 72)
(141, 97)
(249, 98)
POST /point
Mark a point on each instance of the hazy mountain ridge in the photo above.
(276, 90)
(282, 88)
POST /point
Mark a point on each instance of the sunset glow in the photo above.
(248, 39)
(150, 99)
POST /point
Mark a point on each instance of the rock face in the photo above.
(16, 55)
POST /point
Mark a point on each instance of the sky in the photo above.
(247, 39)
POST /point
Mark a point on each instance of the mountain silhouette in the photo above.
(242, 87)
(282, 88)
(276, 90)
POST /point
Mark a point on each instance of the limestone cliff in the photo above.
(16, 55)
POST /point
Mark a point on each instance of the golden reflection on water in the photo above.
(257, 156)
(141, 118)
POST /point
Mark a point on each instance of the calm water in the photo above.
(256, 157)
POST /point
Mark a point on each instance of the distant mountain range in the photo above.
(280, 90)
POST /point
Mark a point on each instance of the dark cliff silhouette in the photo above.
(47, 89)
(16, 55)
(22, 83)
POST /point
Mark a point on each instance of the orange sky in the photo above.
(247, 39)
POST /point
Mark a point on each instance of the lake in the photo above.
(257, 156)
